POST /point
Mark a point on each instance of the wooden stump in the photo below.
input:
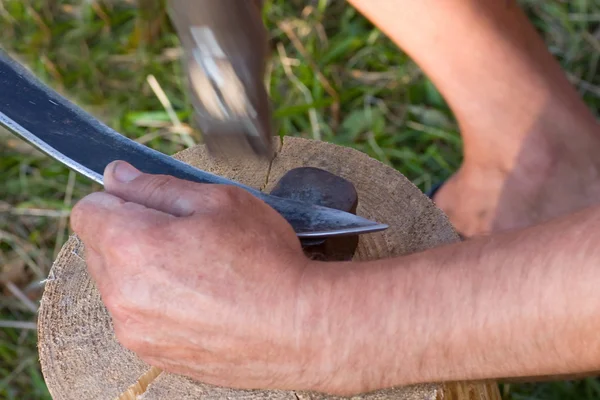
(81, 358)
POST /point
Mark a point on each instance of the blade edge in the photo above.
(324, 221)
(50, 151)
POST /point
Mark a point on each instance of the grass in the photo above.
(355, 88)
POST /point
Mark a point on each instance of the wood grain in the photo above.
(81, 358)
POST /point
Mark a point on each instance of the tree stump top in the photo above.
(81, 358)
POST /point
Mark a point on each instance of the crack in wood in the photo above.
(81, 358)
(268, 175)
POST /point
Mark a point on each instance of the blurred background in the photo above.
(332, 77)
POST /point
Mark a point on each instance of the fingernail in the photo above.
(125, 172)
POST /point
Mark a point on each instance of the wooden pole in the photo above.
(81, 358)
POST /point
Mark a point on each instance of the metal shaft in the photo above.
(225, 54)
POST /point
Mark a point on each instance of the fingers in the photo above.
(101, 276)
(116, 234)
(90, 216)
(160, 192)
(102, 220)
(174, 196)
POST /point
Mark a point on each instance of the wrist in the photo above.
(324, 325)
(350, 315)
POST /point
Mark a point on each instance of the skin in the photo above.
(530, 143)
(211, 283)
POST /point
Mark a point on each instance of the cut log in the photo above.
(81, 359)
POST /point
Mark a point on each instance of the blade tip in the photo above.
(364, 229)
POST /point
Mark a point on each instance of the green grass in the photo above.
(95, 53)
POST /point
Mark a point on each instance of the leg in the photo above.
(530, 143)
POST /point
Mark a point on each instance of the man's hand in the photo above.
(201, 280)
(209, 282)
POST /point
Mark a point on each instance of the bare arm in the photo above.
(480, 54)
(250, 311)
(526, 133)
(514, 305)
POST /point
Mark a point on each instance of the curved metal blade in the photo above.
(65, 132)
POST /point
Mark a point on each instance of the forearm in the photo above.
(512, 305)
(480, 53)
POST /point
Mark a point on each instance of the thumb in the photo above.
(165, 193)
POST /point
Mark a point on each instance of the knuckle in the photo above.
(78, 211)
(129, 327)
(123, 313)
(227, 196)
(118, 241)
(90, 199)
(131, 240)
(127, 337)
(82, 210)
(169, 194)
(155, 187)
(117, 307)
(147, 242)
